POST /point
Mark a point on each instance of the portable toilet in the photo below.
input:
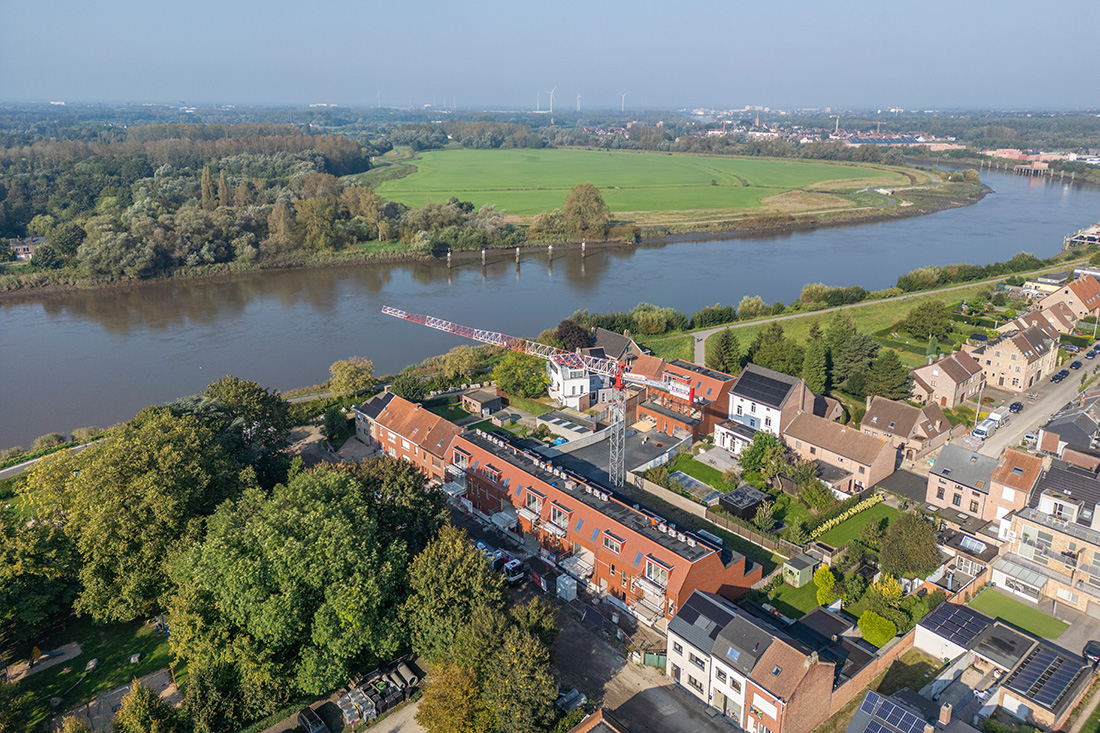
(567, 587)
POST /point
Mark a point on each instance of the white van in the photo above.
(985, 429)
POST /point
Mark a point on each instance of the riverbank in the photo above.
(909, 204)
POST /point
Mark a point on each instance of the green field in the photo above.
(527, 182)
(847, 531)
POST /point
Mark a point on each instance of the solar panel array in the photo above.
(1045, 676)
(958, 624)
(889, 717)
(762, 389)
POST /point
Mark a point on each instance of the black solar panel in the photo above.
(958, 624)
(1045, 676)
(889, 717)
(762, 389)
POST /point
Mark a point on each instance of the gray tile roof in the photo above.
(965, 467)
(701, 619)
(374, 406)
(1075, 429)
(1069, 481)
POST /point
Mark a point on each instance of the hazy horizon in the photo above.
(498, 55)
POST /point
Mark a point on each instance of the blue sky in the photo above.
(932, 54)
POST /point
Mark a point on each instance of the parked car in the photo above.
(1070, 348)
(1056, 378)
(1076, 365)
(1016, 407)
(1090, 354)
(1092, 651)
(1031, 438)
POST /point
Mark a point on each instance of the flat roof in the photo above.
(671, 414)
(960, 625)
(618, 508)
(907, 484)
(1002, 645)
(593, 461)
(1046, 676)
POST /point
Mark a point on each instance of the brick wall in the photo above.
(855, 686)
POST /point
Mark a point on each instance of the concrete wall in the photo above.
(678, 501)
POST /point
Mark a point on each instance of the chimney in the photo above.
(929, 728)
(945, 713)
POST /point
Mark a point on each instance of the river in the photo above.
(96, 357)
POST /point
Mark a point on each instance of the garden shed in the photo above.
(799, 570)
(743, 501)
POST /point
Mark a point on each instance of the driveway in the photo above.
(1052, 398)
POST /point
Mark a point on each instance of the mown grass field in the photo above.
(527, 182)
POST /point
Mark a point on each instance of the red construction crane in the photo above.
(615, 370)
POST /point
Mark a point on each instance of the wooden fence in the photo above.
(775, 544)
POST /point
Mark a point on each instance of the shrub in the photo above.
(83, 435)
(876, 629)
(49, 440)
(847, 514)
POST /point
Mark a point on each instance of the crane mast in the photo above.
(611, 368)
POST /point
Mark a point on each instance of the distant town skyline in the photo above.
(998, 55)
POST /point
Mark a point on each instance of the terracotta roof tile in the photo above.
(1018, 470)
(418, 425)
(839, 439)
(791, 666)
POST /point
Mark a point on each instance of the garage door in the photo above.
(1094, 609)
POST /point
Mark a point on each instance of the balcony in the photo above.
(455, 471)
(528, 514)
(580, 566)
(651, 588)
(554, 529)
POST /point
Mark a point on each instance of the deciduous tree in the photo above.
(876, 629)
(930, 318)
(452, 701)
(825, 581)
(520, 374)
(447, 580)
(296, 589)
(909, 547)
(409, 386)
(585, 212)
(142, 711)
(38, 574)
(571, 335)
(521, 690)
(351, 376)
(130, 501)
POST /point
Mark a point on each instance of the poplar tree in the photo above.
(208, 203)
(225, 195)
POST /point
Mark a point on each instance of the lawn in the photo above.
(795, 602)
(674, 347)
(998, 605)
(526, 182)
(112, 645)
(707, 474)
(447, 410)
(845, 532)
(913, 670)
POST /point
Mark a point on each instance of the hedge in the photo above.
(845, 515)
(974, 320)
(1083, 341)
(876, 629)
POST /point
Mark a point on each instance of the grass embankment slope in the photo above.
(642, 187)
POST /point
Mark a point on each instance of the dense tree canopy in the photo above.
(38, 573)
(888, 377)
(929, 319)
(130, 501)
(295, 589)
(522, 375)
(585, 212)
(909, 547)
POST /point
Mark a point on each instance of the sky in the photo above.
(499, 54)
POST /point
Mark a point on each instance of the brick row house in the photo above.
(642, 562)
(979, 486)
(1017, 360)
(913, 431)
(403, 429)
(1053, 321)
(859, 460)
(1082, 297)
(759, 674)
(948, 381)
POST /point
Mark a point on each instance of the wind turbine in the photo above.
(538, 101)
(551, 93)
(578, 101)
(622, 107)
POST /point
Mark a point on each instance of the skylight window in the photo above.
(776, 671)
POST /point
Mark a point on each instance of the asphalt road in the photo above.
(21, 467)
(1052, 398)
